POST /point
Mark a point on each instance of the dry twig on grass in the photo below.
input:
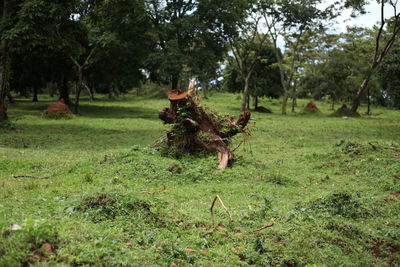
(28, 176)
(223, 206)
(264, 227)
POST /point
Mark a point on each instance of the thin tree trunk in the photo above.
(64, 90)
(255, 102)
(89, 90)
(3, 71)
(35, 94)
(205, 89)
(369, 102)
(284, 102)
(357, 98)
(333, 104)
(245, 93)
(293, 103)
(78, 91)
(294, 99)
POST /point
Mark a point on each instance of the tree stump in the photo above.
(196, 128)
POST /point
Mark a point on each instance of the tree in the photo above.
(333, 68)
(109, 36)
(191, 37)
(289, 20)
(383, 44)
(264, 80)
(4, 60)
(389, 77)
(174, 24)
(332, 76)
(29, 29)
(246, 50)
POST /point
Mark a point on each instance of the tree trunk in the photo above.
(284, 102)
(333, 103)
(205, 89)
(92, 90)
(64, 90)
(255, 102)
(35, 94)
(3, 71)
(357, 98)
(245, 93)
(78, 91)
(369, 102)
(293, 104)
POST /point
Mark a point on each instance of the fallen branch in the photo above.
(223, 206)
(28, 176)
(264, 227)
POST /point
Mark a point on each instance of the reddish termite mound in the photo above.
(58, 109)
(311, 107)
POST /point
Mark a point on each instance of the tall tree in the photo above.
(187, 30)
(174, 25)
(264, 80)
(289, 20)
(246, 49)
(389, 77)
(383, 44)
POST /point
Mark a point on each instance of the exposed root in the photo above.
(197, 128)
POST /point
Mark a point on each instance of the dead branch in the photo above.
(223, 206)
(264, 227)
(28, 176)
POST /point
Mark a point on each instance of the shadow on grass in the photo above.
(72, 137)
(118, 112)
(95, 110)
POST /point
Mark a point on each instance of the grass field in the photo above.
(328, 185)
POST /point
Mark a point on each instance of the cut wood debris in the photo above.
(197, 128)
(223, 206)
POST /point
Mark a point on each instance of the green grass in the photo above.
(111, 200)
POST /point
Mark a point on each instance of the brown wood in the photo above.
(223, 206)
(199, 128)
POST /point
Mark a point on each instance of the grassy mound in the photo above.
(344, 111)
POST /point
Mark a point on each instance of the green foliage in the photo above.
(18, 246)
(389, 78)
(342, 204)
(264, 81)
(111, 206)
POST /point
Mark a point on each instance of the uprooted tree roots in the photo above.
(196, 128)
